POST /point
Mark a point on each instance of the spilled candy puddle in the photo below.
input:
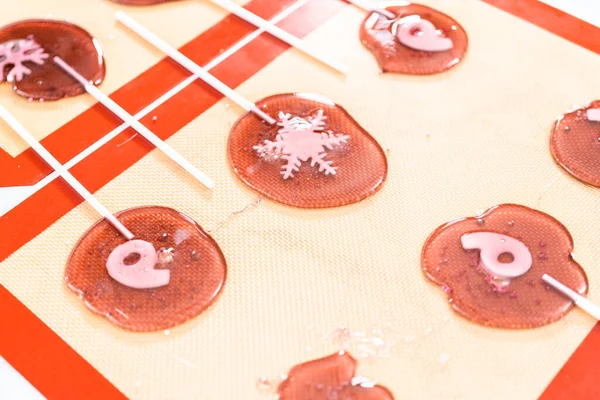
(331, 377)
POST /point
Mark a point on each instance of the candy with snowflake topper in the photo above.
(28, 47)
(58, 59)
(15, 54)
(316, 156)
(298, 141)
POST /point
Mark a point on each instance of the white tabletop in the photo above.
(587, 10)
(13, 386)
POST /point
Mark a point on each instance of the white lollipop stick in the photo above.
(135, 124)
(593, 114)
(192, 66)
(368, 6)
(63, 172)
(279, 33)
(578, 299)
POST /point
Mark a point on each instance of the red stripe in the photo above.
(553, 20)
(44, 359)
(579, 377)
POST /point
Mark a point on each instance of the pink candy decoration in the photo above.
(15, 53)
(298, 140)
(491, 246)
(140, 275)
(421, 34)
(593, 114)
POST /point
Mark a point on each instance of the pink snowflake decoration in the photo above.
(299, 140)
(15, 53)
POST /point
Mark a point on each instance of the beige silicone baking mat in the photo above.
(457, 143)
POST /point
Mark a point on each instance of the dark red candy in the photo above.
(56, 38)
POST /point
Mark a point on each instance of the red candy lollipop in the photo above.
(575, 143)
(26, 52)
(491, 266)
(317, 156)
(168, 274)
(329, 378)
(418, 41)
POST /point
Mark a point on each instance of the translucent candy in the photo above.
(318, 156)
(197, 271)
(40, 79)
(523, 301)
(331, 377)
(396, 51)
(575, 143)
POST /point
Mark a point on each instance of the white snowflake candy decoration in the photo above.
(299, 140)
(15, 53)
